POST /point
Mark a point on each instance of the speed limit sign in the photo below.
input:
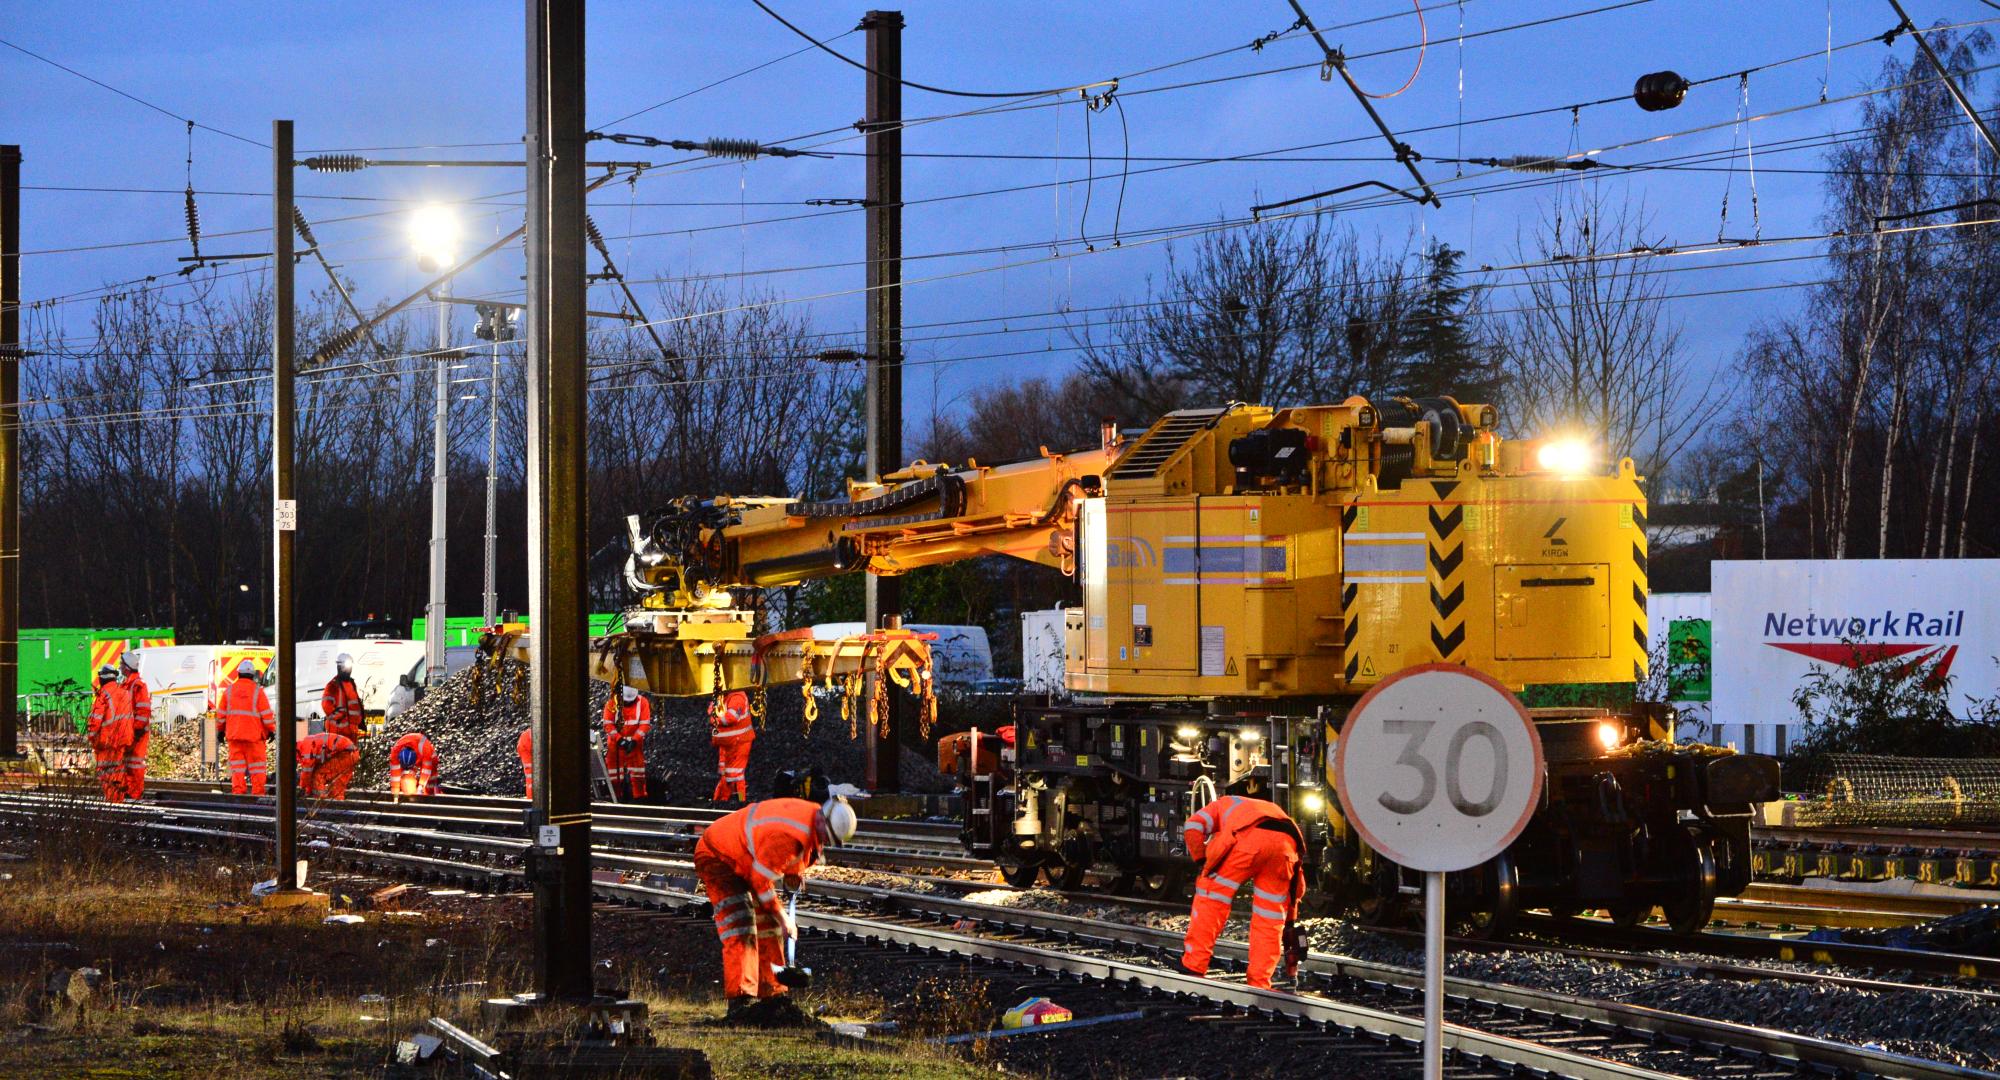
(1438, 767)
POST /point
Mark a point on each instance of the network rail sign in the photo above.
(1776, 621)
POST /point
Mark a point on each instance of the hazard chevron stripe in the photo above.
(1445, 604)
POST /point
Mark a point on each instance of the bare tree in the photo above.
(1594, 349)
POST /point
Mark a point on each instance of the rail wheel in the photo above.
(1074, 855)
(1380, 901)
(1018, 872)
(1626, 914)
(1691, 903)
(1499, 903)
(1152, 884)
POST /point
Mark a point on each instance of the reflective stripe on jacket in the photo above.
(142, 703)
(729, 719)
(245, 713)
(340, 704)
(632, 721)
(763, 842)
(1212, 830)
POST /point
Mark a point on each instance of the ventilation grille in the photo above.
(1163, 442)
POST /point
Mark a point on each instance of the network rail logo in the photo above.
(1856, 638)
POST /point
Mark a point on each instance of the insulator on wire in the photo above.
(596, 238)
(336, 163)
(1659, 91)
(193, 223)
(337, 344)
(1530, 163)
(740, 149)
(305, 230)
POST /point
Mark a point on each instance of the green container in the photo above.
(464, 629)
(57, 672)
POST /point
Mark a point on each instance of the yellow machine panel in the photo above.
(1199, 584)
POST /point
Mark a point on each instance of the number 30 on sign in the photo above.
(1439, 767)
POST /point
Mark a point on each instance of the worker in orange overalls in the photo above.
(340, 703)
(740, 858)
(731, 734)
(1239, 840)
(626, 726)
(142, 723)
(413, 766)
(526, 748)
(326, 764)
(110, 733)
(245, 715)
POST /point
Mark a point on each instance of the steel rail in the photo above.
(1804, 1053)
(942, 833)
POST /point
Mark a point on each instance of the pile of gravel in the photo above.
(476, 742)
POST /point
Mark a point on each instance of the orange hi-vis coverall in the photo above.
(340, 707)
(526, 748)
(420, 776)
(740, 858)
(110, 734)
(731, 733)
(245, 713)
(326, 764)
(1239, 840)
(142, 734)
(625, 731)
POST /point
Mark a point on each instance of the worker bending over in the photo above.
(525, 747)
(1237, 841)
(731, 734)
(628, 718)
(142, 723)
(245, 715)
(326, 764)
(340, 704)
(110, 733)
(740, 858)
(413, 766)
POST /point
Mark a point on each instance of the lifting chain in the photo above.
(811, 703)
(850, 696)
(759, 705)
(927, 710)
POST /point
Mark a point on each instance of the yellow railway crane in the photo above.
(1245, 574)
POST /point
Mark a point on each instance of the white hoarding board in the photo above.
(1774, 621)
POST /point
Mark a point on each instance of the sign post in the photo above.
(1439, 769)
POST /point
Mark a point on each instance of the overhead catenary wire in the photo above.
(129, 96)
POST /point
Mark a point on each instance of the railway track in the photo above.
(904, 846)
(1496, 1030)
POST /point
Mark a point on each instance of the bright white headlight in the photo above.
(1567, 457)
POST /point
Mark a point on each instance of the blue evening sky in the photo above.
(406, 75)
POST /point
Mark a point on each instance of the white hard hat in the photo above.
(343, 661)
(837, 821)
(130, 659)
(630, 692)
(246, 666)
